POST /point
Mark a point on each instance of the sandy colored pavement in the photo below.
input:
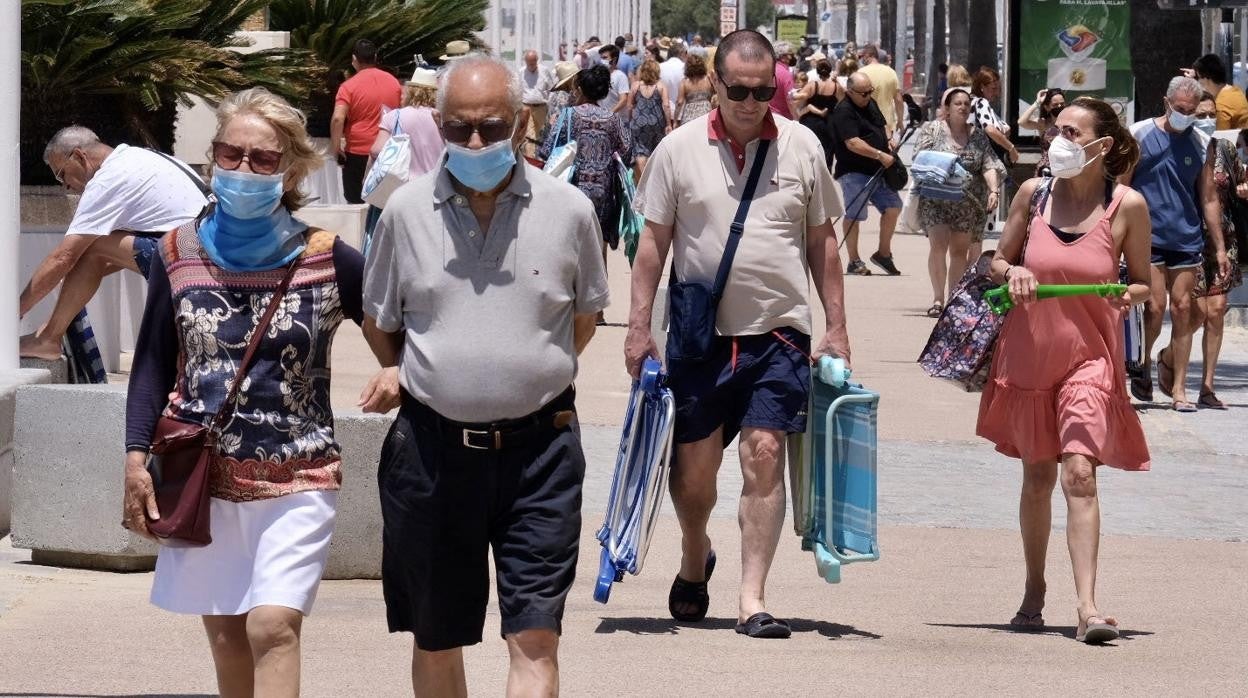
(928, 619)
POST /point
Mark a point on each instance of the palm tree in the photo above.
(959, 31)
(120, 67)
(400, 29)
(983, 26)
(888, 27)
(851, 21)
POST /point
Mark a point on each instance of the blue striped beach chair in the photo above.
(639, 484)
(833, 470)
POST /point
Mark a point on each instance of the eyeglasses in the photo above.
(738, 93)
(491, 130)
(861, 93)
(230, 157)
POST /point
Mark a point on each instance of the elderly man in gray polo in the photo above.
(480, 291)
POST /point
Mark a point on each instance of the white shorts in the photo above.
(266, 553)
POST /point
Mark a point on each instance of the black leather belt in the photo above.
(499, 435)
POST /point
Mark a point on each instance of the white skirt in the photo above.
(266, 553)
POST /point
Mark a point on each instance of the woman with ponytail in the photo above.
(1057, 391)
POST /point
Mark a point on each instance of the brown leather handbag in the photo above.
(181, 454)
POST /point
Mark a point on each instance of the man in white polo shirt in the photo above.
(130, 197)
(756, 376)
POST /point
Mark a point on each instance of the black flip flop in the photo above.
(686, 593)
(765, 626)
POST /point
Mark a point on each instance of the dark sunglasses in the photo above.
(491, 130)
(738, 93)
(860, 93)
(229, 157)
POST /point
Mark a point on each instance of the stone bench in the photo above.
(68, 484)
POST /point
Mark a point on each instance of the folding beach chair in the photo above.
(1133, 332)
(640, 480)
(833, 471)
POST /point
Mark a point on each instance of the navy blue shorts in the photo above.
(1175, 260)
(145, 248)
(750, 381)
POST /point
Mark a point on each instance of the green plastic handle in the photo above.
(1000, 302)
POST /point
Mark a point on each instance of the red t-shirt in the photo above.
(365, 94)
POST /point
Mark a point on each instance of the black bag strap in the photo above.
(186, 170)
(738, 223)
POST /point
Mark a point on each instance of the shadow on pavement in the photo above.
(109, 695)
(669, 626)
(1062, 630)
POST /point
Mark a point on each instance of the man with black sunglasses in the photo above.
(863, 152)
(481, 288)
(129, 197)
(755, 376)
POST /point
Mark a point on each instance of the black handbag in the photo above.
(693, 304)
(895, 176)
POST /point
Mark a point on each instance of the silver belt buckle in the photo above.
(467, 444)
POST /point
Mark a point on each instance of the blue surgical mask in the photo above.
(1181, 122)
(246, 195)
(249, 230)
(481, 170)
(1206, 125)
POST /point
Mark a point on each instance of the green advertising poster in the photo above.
(1080, 46)
(791, 28)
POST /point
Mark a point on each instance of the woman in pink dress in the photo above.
(1057, 390)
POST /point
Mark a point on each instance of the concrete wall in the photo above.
(10, 381)
(68, 484)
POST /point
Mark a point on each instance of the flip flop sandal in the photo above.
(1165, 375)
(1030, 623)
(1098, 633)
(686, 593)
(1183, 406)
(765, 626)
(1210, 401)
(935, 309)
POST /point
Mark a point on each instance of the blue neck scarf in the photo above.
(252, 244)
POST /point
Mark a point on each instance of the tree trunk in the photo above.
(851, 21)
(812, 16)
(960, 31)
(919, 22)
(939, 55)
(983, 26)
(1162, 38)
(888, 27)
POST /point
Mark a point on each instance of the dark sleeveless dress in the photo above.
(822, 125)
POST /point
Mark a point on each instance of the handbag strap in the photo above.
(738, 223)
(257, 334)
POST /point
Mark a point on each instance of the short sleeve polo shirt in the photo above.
(767, 286)
(487, 318)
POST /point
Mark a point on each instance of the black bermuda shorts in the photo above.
(444, 505)
(760, 381)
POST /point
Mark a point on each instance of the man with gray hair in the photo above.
(129, 197)
(480, 291)
(535, 84)
(785, 60)
(1172, 163)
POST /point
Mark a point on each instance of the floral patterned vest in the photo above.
(280, 438)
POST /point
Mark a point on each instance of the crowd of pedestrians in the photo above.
(486, 276)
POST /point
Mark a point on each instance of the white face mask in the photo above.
(1067, 158)
(1207, 125)
(1181, 122)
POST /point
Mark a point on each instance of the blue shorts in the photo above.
(880, 196)
(749, 381)
(145, 248)
(1174, 260)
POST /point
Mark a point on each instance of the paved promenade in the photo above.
(928, 618)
